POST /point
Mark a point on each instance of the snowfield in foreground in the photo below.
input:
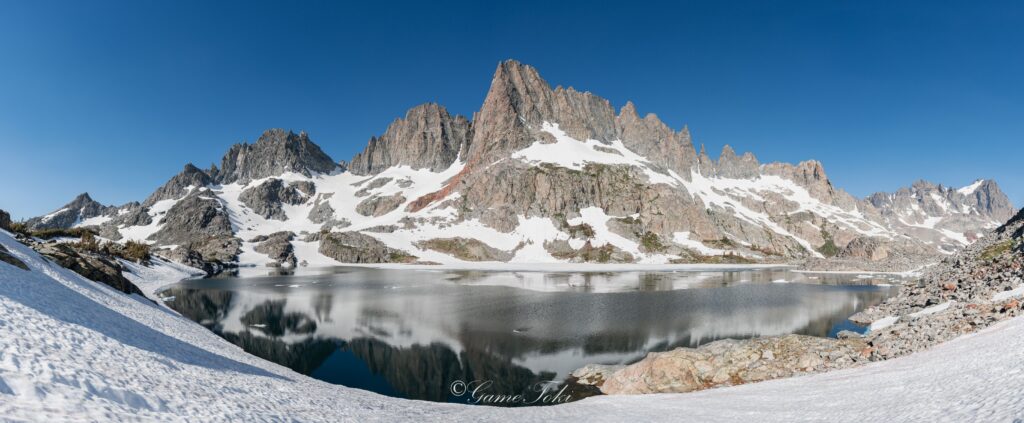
(71, 349)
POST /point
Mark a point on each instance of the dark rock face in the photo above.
(6, 257)
(82, 207)
(177, 187)
(274, 153)
(278, 247)
(92, 266)
(267, 198)
(428, 138)
(992, 201)
(5, 220)
(354, 247)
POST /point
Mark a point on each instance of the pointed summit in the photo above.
(80, 208)
(519, 101)
(190, 177)
(276, 151)
(427, 138)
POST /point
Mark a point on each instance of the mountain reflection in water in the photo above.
(412, 333)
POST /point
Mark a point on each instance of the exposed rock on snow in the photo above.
(95, 267)
(6, 257)
(5, 220)
(278, 247)
(354, 247)
(380, 205)
(267, 199)
(466, 249)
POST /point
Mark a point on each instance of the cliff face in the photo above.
(427, 138)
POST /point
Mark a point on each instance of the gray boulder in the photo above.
(278, 247)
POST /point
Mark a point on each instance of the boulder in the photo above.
(278, 247)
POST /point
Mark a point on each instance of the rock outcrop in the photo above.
(278, 247)
(7, 257)
(466, 249)
(728, 362)
(199, 223)
(92, 266)
(268, 198)
(5, 220)
(380, 205)
(354, 247)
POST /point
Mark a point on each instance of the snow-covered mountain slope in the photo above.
(947, 218)
(81, 211)
(540, 175)
(74, 350)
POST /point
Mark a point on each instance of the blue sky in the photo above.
(114, 98)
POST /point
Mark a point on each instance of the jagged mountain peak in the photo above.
(947, 217)
(533, 164)
(427, 138)
(275, 152)
(74, 212)
(180, 184)
(80, 200)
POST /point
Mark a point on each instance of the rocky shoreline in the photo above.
(964, 293)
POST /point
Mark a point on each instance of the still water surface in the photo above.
(410, 334)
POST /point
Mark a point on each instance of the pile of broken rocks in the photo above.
(971, 290)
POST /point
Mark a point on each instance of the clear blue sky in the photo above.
(114, 98)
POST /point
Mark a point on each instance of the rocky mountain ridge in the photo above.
(539, 174)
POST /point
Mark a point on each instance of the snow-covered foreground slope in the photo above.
(71, 349)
